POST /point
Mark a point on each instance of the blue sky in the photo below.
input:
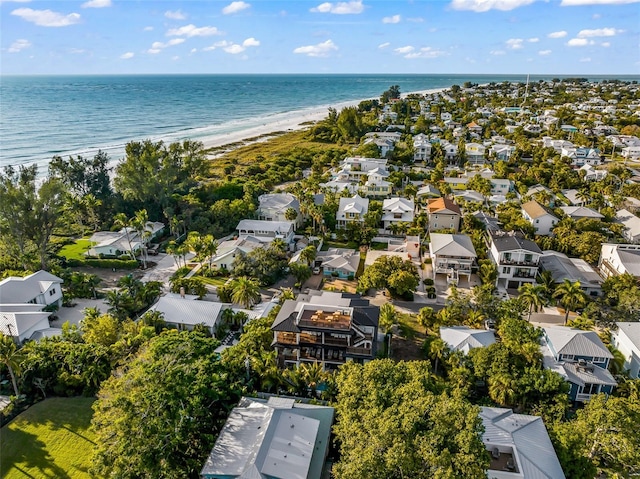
(298, 36)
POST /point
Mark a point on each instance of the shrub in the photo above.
(111, 263)
(428, 282)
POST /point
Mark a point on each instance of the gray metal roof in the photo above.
(574, 269)
(461, 338)
(188, 312)
(632, 331)
(277, 439)
(576, 342)
(21, 290)
(581, 212)
(630, 260)
(527, 436)
(595, 375)
(451, 245)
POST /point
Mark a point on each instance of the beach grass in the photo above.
(50, 439)
(76, 250)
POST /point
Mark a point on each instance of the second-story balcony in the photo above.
(518, 262)
(524, 274)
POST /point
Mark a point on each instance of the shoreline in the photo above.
(291, 121)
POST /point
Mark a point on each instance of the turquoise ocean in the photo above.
(43, 116)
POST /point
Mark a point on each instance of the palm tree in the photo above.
(545, 278)
(475, 319)
(286, 293)
(488, 273)
(139, 224)
(308, 254)
(121, 221)
(10, 356)
(571, 296)
(427, 318)
(533, 296)
(437, 351)
(313, 375)
(388, 317)
(91, 204)
(246, 292)
(210, 247)
(502, 389)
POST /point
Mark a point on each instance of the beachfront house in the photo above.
(116, 243)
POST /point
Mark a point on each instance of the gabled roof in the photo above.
(536, 457)
(592, 375)
(357, 204)
(398, 205)
(581, 212)
(451, 245)
(428, 190)
(630, 221)
(536, 210)
(18, 323)
(278, 201)
(631, 330)
(461, 338)
(576, 342)
(263, 225)
(188, 312)
(574, 269)
(512, 241)
(21, 290)
(443, 206)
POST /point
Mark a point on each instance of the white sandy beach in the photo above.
(295, 120)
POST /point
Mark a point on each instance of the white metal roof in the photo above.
(461, 338)
(451, 245)
(631, 330)
(21, 290)
(576, 342)
(187, 311)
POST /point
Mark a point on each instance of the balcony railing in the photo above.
(286, 338)
(522, 274)
(518, 262)
(583, 397)
(359, 351)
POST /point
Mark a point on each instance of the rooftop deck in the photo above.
(325, 320)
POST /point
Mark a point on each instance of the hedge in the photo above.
(104, 263)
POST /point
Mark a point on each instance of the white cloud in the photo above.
(220, 44)
(560, 34)
(497, 52)
(514, 43)
(426, 52)
(393, 19)
(599, 32)
(320, 50)
(404, 50)
(176, 15)
(126, 56)
(578, 3)
(176, 57)
(96, 4)
(193, 31)
(384, 45)
(251, 42)
(235, 7)
(544, 52)
(47, 18)
(157, 47)
(415, 20)
(596, 16)
(340, 8)
(234, 49)
(533, 40)
(579, 42)
(585, 60)
(486, 5)
(606, 44)
(18, 46)
(147, 29)
(77, 51)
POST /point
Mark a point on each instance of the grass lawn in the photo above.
(217, 281)
(337, 244)
(50, 439)
(75, 250)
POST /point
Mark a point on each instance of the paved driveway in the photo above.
(75, 314)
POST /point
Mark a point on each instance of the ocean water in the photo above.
(43, 116)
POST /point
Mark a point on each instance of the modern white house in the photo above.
(23, 301)
(519, 445)
(516, 258)
(617, 259)
(631, 152)
(274, 206)
(116, 243)
(626, 339)
(266, 231)
(276, 438)
(563, 268)
(582, 156)
(351, 210)
(475, 153)
(228, 250)
(397, 210)
(591, 174)
(631, 225)
(421, 147)
(462, 338)
(452, 255)
(540, 217)
(377, 184)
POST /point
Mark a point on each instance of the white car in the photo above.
(316, 270)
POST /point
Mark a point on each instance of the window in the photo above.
(528, 258)
(52, 292)
(590, 389)
(537, 221)
(567, 357)
(506, 269)
(599, 360)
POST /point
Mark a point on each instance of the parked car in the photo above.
(316, 270)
